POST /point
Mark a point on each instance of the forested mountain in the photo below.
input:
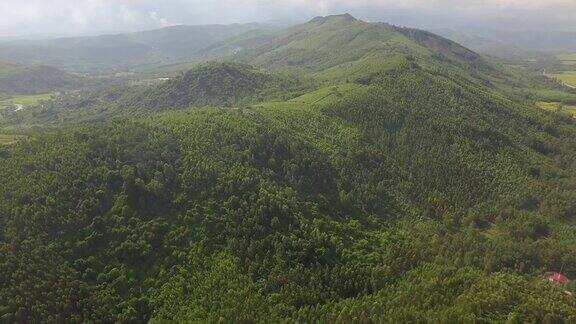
(21, 79)
(353, 173)
(212, 84)
(327, 42)
(222, 84)
(117, 53)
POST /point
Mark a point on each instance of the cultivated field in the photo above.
(7, 139)
(568, 77)
(558, 107)
(568, 59)
(26, 101)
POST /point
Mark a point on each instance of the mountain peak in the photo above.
(342, 17)
(345, 16)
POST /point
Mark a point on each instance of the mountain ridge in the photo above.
(107, 54)
(324, 51)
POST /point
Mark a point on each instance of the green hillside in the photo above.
(223, 84)
(327, 42)
(212, 84)
(38, 79)
(378, 174)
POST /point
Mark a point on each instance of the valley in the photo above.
(563, 69)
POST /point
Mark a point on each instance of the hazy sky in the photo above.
(22, 17)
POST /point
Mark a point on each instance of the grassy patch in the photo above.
(557, 107)
(7, 139)
(568, 59)
(27, 101)
(568, 77)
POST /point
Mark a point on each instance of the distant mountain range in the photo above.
(109, 54)
(115, 53)
(512, 44)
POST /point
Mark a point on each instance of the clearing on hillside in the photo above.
(569, 110)
(568, 58)
(8, 139)
(568, 77)
(26, 101)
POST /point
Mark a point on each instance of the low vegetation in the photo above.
(568, 77)
(26, 101)
(7, 139)
(558, 107)
(568, 59)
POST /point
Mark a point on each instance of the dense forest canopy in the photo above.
(337, 171)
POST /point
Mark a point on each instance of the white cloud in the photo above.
(76, 16)
(82, 16)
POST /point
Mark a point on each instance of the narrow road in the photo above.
(18, 107)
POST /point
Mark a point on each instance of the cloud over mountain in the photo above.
(20, 17)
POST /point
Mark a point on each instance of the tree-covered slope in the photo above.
(326, 42)
(223, 84)
(212, 84)
(21, 79)
(411, 196)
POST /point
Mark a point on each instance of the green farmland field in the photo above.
(7, 139)
(30, 100)
(568, 77)
(569, 59)
(569, 110)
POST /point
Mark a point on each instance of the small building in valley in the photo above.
(557, 277)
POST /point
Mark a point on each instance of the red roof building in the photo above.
(557, 277)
